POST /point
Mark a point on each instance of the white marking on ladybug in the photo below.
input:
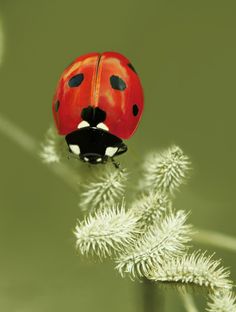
(110, 151)
(75, 149)
(86, 158)
(83, 124)
(99, 159)
(102, 126)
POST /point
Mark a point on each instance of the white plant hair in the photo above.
(222, 301)
(147, 238)
(150, 239)
(192, 269)
(150, 208)
(161, 241)
(165, 171)
(49, 152)
(105, 190)
(106, 232)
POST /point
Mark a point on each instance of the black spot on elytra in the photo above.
(117, 83)
(93, 115)
(135, 109)
(132, 67)
(76, 80)
(57, 105)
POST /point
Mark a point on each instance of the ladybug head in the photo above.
(94, 145)
(91, 142)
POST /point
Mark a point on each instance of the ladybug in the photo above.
(97, 103)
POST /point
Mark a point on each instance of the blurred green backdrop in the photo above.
(184, 52)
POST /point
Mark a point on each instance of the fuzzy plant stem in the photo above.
(151, 296)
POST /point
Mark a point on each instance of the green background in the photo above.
(184, 52)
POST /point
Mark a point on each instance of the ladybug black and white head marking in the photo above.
(94, 145)
(92, 142)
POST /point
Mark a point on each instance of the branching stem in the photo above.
(215, 239)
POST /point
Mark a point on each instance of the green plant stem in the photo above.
(215, 239)
(28, 144)
(188, 302)
(151, 297)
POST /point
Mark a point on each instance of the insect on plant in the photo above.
(98, 102)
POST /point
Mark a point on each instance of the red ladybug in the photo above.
(98, 102)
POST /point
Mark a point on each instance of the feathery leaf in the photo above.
(166, 171)
(106, 232)
(196, 269)
(159, 242)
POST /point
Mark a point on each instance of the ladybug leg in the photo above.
(71, 156)
(115, 163)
